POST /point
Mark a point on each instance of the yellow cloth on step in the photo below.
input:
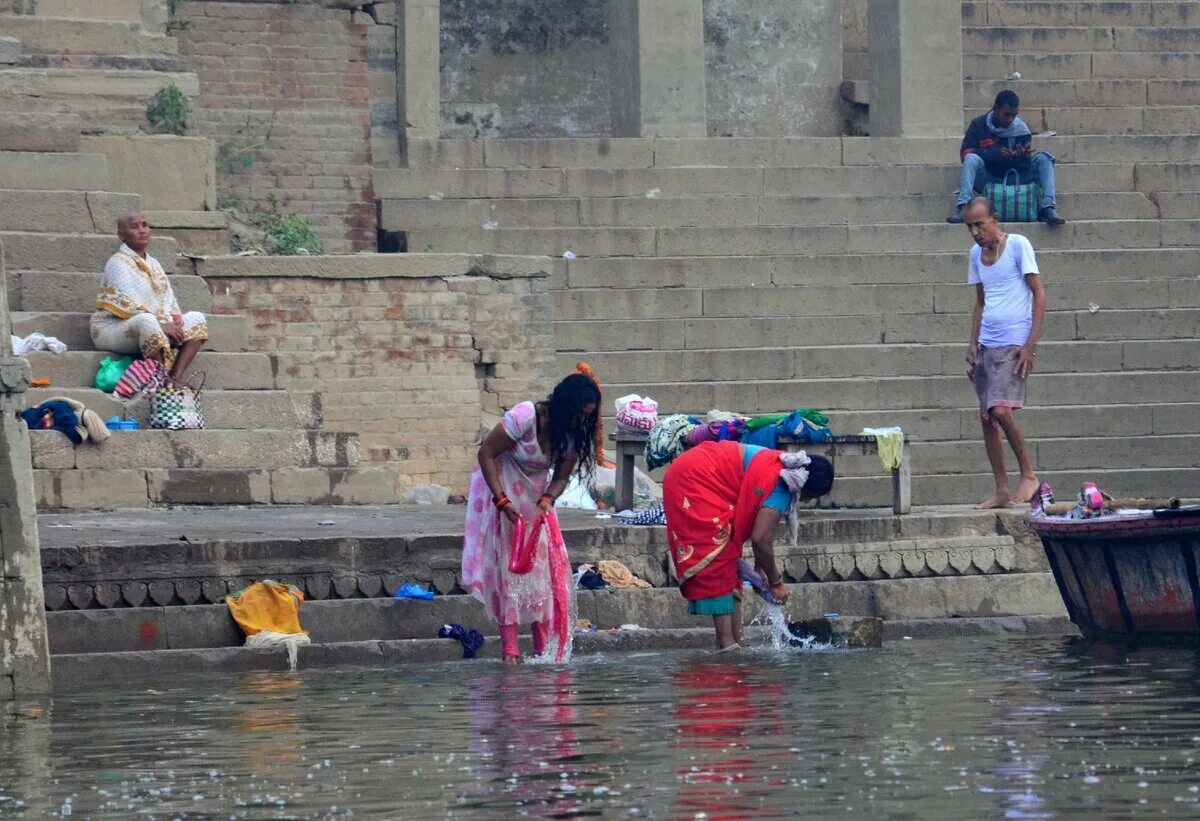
(618, 575)
(267, 605)
(891, 445)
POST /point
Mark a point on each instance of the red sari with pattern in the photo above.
(711, 504)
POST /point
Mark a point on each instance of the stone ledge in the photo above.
(375, 266)
(81, 669)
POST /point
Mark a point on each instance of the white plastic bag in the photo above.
(576, 496)
(637, 413)
(646, 492)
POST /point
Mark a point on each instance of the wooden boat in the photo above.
(1127, 575)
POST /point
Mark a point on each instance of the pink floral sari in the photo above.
(524, 473)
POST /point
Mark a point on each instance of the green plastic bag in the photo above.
(110, 371)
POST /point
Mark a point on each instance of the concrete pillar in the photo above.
(916, 68)
(24, 652)
(658, 68)
(418, 70)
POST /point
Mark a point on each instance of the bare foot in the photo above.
(997, 501)
(508, 658)
(1025, 490)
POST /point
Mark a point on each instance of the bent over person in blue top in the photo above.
(996, 144)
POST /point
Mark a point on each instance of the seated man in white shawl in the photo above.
(136, 311)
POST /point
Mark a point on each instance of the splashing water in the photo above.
(773, 617)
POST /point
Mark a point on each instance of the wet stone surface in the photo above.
(981, 728)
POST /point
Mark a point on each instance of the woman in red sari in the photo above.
(719, 495)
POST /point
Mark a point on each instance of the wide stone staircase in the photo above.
(57, 218)
(761, 275)
(104, 61)
(1079, 66)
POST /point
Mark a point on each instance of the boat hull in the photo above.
(1127, 577)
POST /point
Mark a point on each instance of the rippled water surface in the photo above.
(966, 729)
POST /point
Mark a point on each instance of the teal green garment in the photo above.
(780, 498)
(814, 416)
(716, 606)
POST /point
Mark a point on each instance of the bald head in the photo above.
(134, 231)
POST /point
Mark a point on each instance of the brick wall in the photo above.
(413, 352)
(285, 84)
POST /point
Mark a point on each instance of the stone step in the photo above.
(135, 85)
(225, 333)
(223, 371)
(1037, 420)
(124, 11)
(498, 184)
(980, 92)
(753, 240)
(123, 62)
(100, 489)
(1158, 13)
(841, 269)
(798, 302)
(1083, 451)
(1068, 39)
(565, 212)
(1183, 119)
(1059, 65)
(70, 292)
(39, 132)
(631, 154)
(212, 449)
(589, 336)
(49, 35)
(83, 212)
(35, 170)
(905, 392)
(36, 251)
(223, 409)
(963, 488)
(201, 233)
(107, 100)
(829, 361)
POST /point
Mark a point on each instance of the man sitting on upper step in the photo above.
(136, 310)
(995, 145)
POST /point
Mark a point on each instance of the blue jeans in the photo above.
(975, 176)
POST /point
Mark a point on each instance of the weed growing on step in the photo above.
(270, 231)
(290, 234)
(168, 112)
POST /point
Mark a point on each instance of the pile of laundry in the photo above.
(69, 417)
(674, 434)
(608, 573)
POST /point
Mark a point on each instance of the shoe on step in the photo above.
(1049, 215)
(957, 217)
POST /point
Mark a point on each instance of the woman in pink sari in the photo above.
(514, 479)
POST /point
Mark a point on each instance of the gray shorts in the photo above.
(996, 381)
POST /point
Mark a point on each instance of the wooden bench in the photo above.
(631, 444)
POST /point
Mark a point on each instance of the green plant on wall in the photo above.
(168, 111)
(290, 234)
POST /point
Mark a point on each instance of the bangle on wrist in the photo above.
(546, 497)
(501, 503)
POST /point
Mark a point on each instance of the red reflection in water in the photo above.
(722, 710)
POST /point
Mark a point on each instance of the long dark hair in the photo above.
(571, 430)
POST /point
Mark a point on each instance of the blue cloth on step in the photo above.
(62, 419)
(471, 639)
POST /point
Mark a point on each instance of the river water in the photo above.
(961, 729)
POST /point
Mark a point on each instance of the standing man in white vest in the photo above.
(1010, 307)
